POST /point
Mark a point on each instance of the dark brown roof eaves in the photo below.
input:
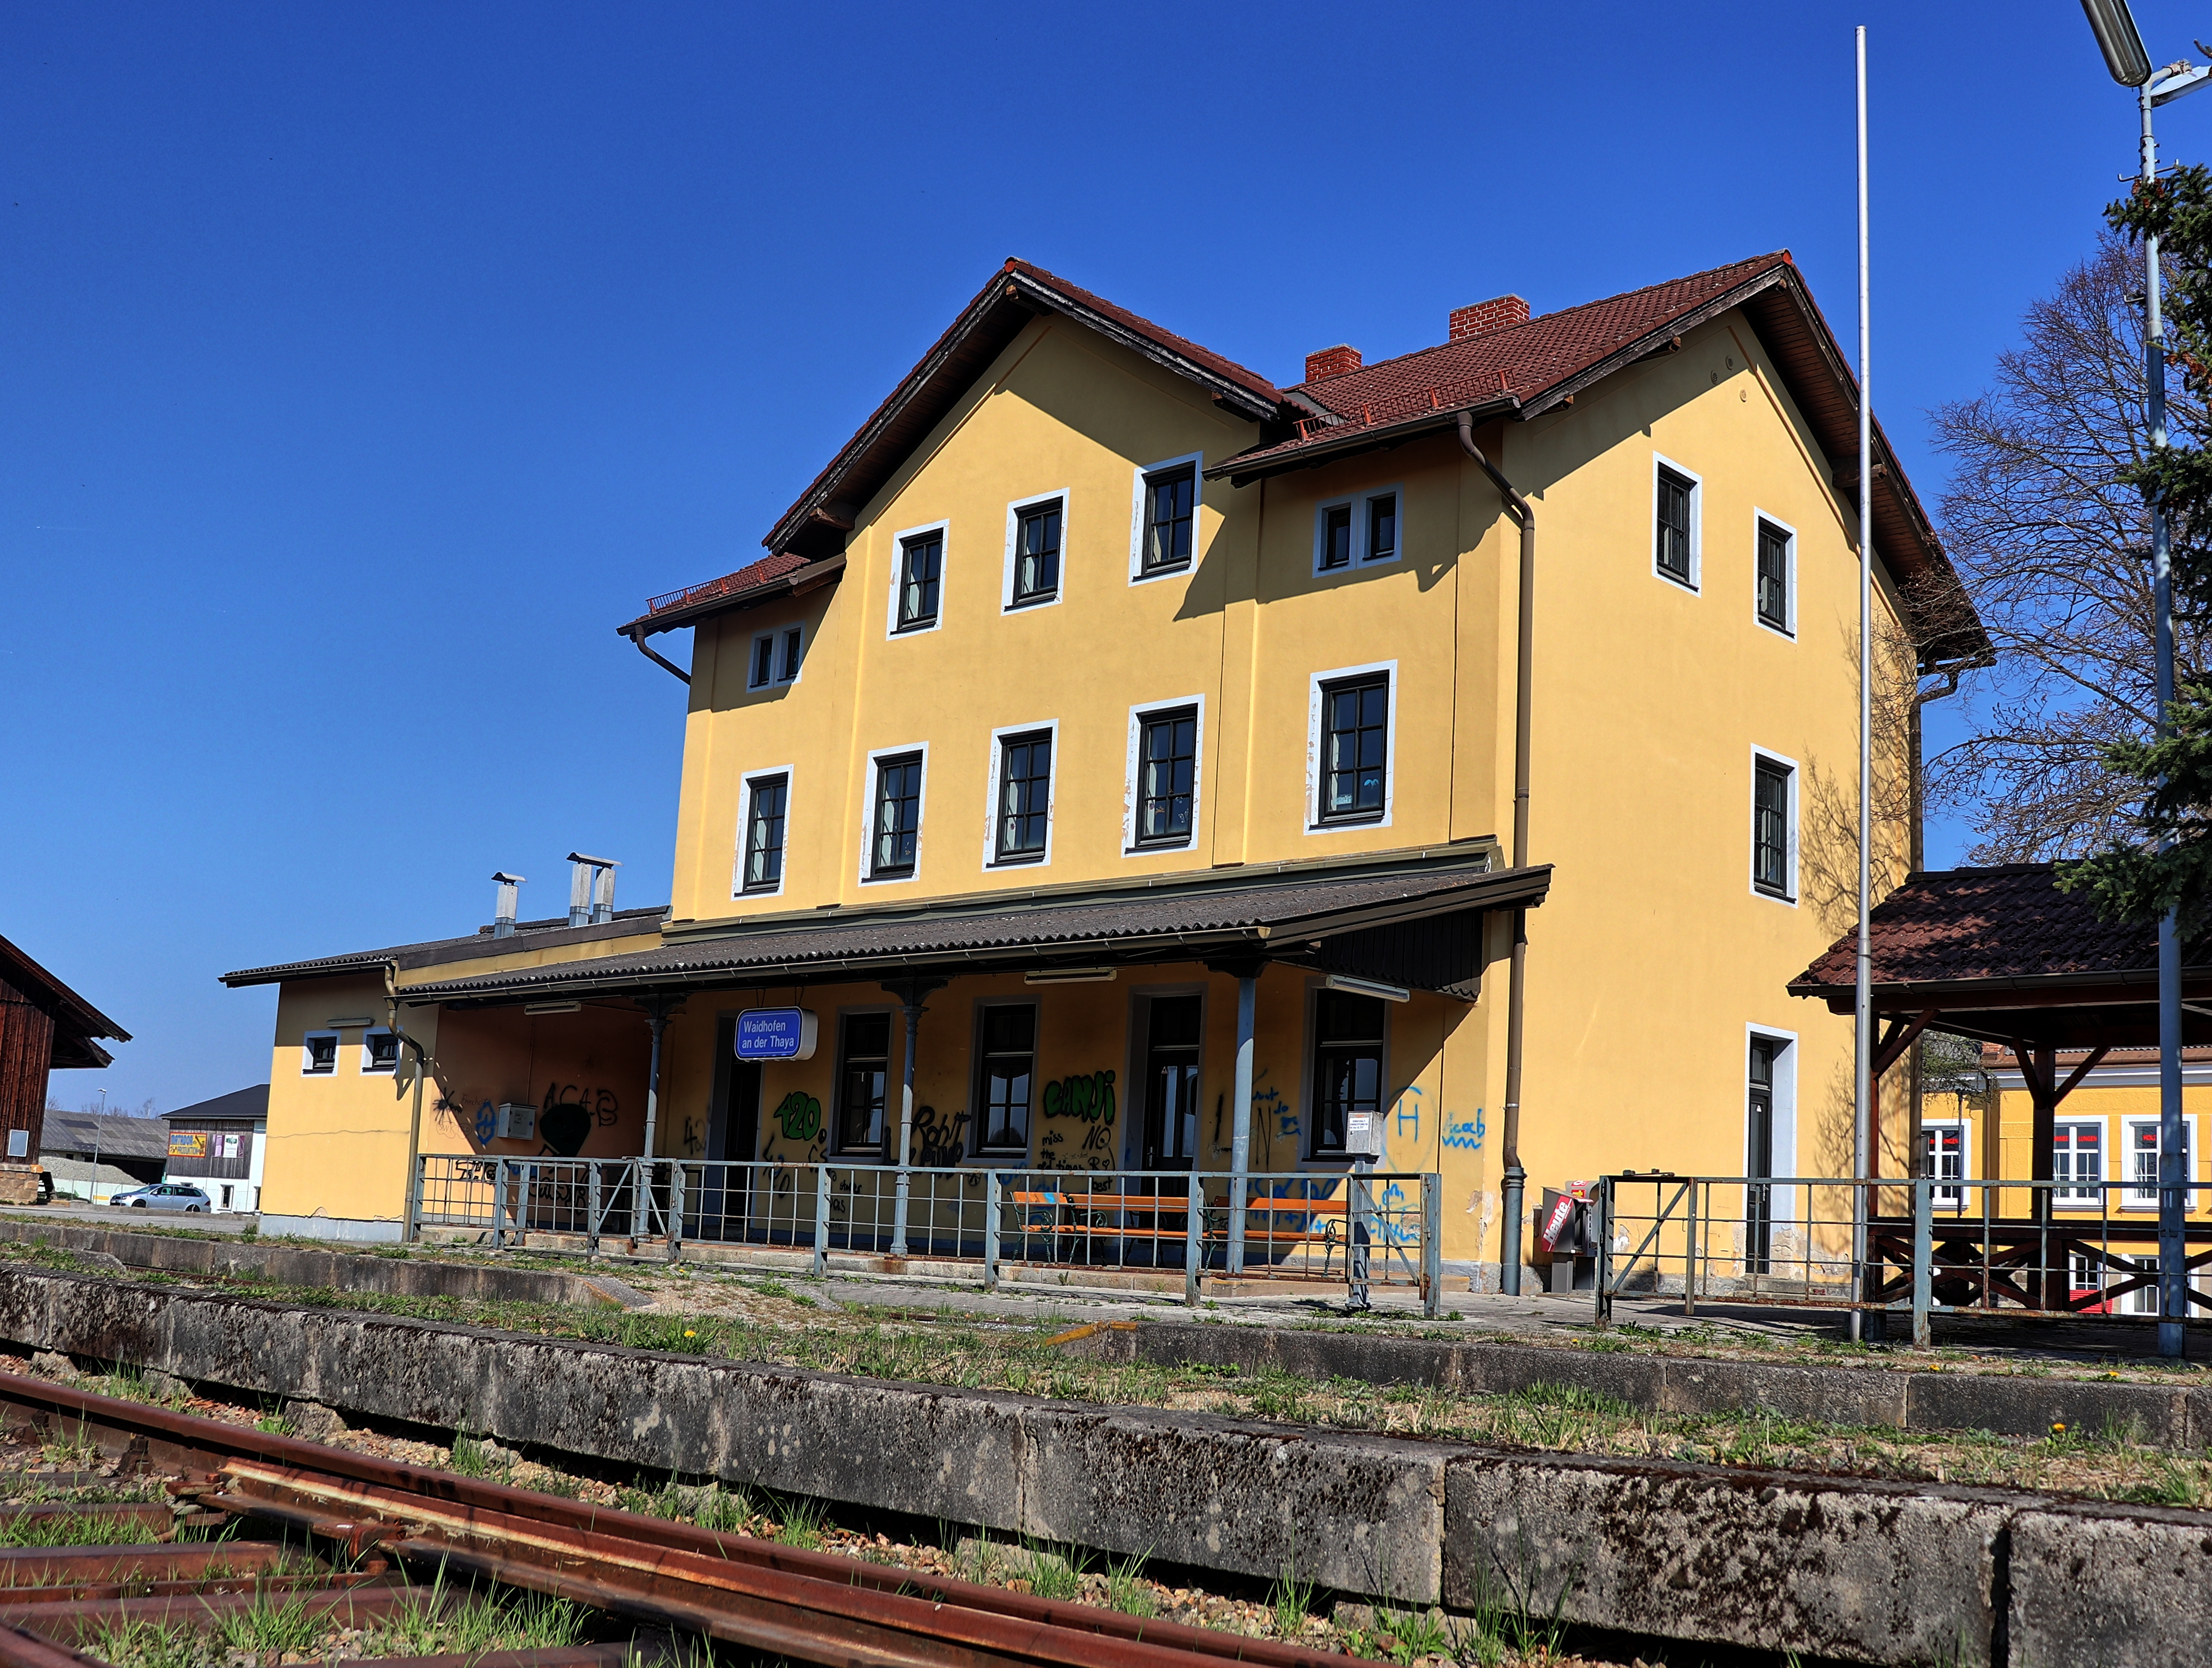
(431, 952)
(1016, 293)
(769, 580)
(1211, 918)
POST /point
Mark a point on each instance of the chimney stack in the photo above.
(1500, 313)
(1332, 362)
(591, 889)
(502, 919)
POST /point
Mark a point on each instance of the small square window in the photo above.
(897, 824)
(921, 568)
(1355, 727)
(319, 1054)
(762, 869)
(1005, 1075)
(1769, 827)
(1037, 554)
(1170, 498)
(1382, 529)
(1024, 797)
(380, 1052)
(1675, 534)
(1773, 576)
(1167, 761)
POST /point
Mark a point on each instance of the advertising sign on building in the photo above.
(775, 1033)
(188, 1143)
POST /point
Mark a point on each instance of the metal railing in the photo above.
(1933, 1244)
(1363, 1231)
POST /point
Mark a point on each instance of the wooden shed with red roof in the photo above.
(45, 1026)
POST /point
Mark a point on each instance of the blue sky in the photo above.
(365, 365)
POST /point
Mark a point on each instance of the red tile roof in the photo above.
(2009, 922)
(1518, 362)
(729, 585)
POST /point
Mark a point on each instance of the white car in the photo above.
(165, 1196)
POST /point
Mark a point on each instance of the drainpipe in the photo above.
(1516, 1178)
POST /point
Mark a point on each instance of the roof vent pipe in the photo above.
(503, 917)
(591, 889)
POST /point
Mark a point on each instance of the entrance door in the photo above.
(726, 1201)
(1758, 1159)
(1171, 1043)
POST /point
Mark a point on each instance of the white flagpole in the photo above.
(1862, 1027)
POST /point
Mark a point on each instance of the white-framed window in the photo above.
(899, 782)
(1352, 733)
(776, 656)
(1774, 573)
(917, 595)
(1943, 1159)
(763, 816)
(2077, 1163)
(1773, 826)
(2140, 1154)
(1677, 507)
(1161, 797)
(379, 1051)
(1163, 518)
(1363, 528)
(1017, 820)
(319, 1054)
(1036, 550)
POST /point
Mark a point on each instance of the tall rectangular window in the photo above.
(1943, 1159)
(1355, 727)
(1759, 1158)
(794, 641)
(2077, 1162)
(1382, 527)
(864, 1066)
(2143, 1162)
(1335, 537)
(898, 838)
(1347, 1072)
(1167, 759)
(762, 673)
(763, 858)
(1036, 553)
(1025, 795)
(1770, 828)
(921, 567)
(1169, 502)
(1005, 1064)
(1674, 555)
(1773, 576)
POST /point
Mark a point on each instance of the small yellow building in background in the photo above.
(1100, 688)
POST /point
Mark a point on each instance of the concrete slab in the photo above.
(2109, 1586)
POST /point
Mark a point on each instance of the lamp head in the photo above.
(2114, 26)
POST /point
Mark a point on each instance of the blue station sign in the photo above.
(775, 1033)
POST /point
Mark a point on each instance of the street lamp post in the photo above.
(2115, 32)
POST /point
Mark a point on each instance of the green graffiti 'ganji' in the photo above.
(1090, 1098)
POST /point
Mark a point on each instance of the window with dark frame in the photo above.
(1383, 526)
(1773, 576)
(921, 568)
(1036, 553)
(322, 1053)
(1674, 494)
(864, 1066)
(763, 861)
(793, 641)
(763, 667)
(1770, 828)
(380, 1052)
(1167, 758)
(1170, 500)
(1336, 537)
(1347, 1066)
(1006, 1071)
(1024, 793)
(1355, 727)
(898, 817)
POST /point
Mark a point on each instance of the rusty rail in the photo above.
(809, 1606)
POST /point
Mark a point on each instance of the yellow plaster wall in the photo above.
(336, 1146)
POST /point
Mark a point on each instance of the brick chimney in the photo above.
(1502, 312)
(1331, 362)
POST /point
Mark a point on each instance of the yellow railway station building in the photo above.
(1122, 751)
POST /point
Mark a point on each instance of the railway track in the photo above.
(383, 1533)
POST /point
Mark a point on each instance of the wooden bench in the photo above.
(1328, 1232)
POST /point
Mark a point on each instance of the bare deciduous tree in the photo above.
(2055, 553)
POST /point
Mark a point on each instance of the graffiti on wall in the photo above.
(800, 1115)
(1466, 1134)
(937, 1143)
(1087, 1100)
(569, 1112)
